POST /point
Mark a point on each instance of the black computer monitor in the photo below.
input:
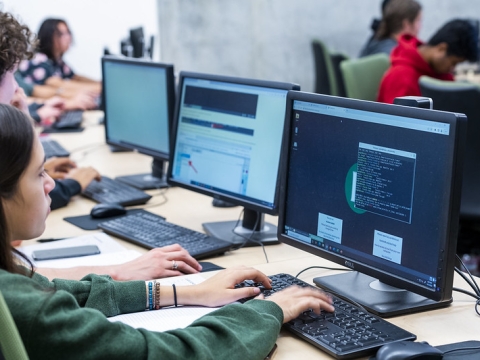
(139, 97)
(376, 188)
(226, 142)
(137, 39)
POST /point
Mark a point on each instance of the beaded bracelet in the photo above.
(150, 296)
(157, 295)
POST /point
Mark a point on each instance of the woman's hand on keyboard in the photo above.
(294, 300)
(158, 263)
(84, 176)
(220, 288)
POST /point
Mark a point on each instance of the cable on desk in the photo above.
(321, 267)
(249, 238)
(89, 148)
(470, 281)
(148, 206)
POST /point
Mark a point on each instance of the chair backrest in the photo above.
(11, 344)
(325, 82)
(461, 98)
(337, 58)
(362, 76)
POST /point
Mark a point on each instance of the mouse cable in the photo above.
(461, 349)
(322, 267)
(250, 237)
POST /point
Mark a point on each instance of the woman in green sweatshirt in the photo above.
(67, 319)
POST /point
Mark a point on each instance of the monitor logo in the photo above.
(349, 264)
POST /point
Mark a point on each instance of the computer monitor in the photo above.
(226, 142)
(376, 188)
(137, 39)
(138, 97)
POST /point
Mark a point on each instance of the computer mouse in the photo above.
(105, 210)
(407, 350)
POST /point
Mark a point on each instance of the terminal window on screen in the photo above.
(226, 137)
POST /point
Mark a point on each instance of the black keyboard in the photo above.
(69, 120)
(349, 332)
(53, 148)
(111, 191)
(152, 231)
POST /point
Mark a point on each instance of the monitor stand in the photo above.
(377, 297)
(155, 180)
(263, 233)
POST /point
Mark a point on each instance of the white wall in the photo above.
(271, 39)
(94, 24)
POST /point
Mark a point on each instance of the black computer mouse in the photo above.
(408, 350)
(105, 210)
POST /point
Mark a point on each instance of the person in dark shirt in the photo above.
(399, 17)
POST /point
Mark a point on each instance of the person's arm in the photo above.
(63, 192)
(155, 264)
(53, 324)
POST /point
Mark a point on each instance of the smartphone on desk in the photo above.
(66, 252)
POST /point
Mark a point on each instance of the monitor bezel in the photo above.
(170, 91)
(218, 195)
(457, 126)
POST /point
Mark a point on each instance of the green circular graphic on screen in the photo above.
(348, 189)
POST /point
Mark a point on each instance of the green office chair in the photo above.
(326, 79)
(11, 345)
(362, 76)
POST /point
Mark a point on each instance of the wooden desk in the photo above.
(458, 322)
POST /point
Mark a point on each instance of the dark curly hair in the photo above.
(16, 42)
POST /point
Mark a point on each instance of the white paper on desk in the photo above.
(168, 318)
(111, 252)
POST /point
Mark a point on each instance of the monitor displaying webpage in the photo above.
(229, 138)
(370, 187)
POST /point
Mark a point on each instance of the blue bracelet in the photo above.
(150, 296)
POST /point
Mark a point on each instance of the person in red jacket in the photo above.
(453, 43)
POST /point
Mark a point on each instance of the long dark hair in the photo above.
(47, 31)
(394, 13)
(16, 143)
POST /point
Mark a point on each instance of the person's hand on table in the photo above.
(167, 261)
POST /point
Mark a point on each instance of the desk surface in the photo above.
(458, 322)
